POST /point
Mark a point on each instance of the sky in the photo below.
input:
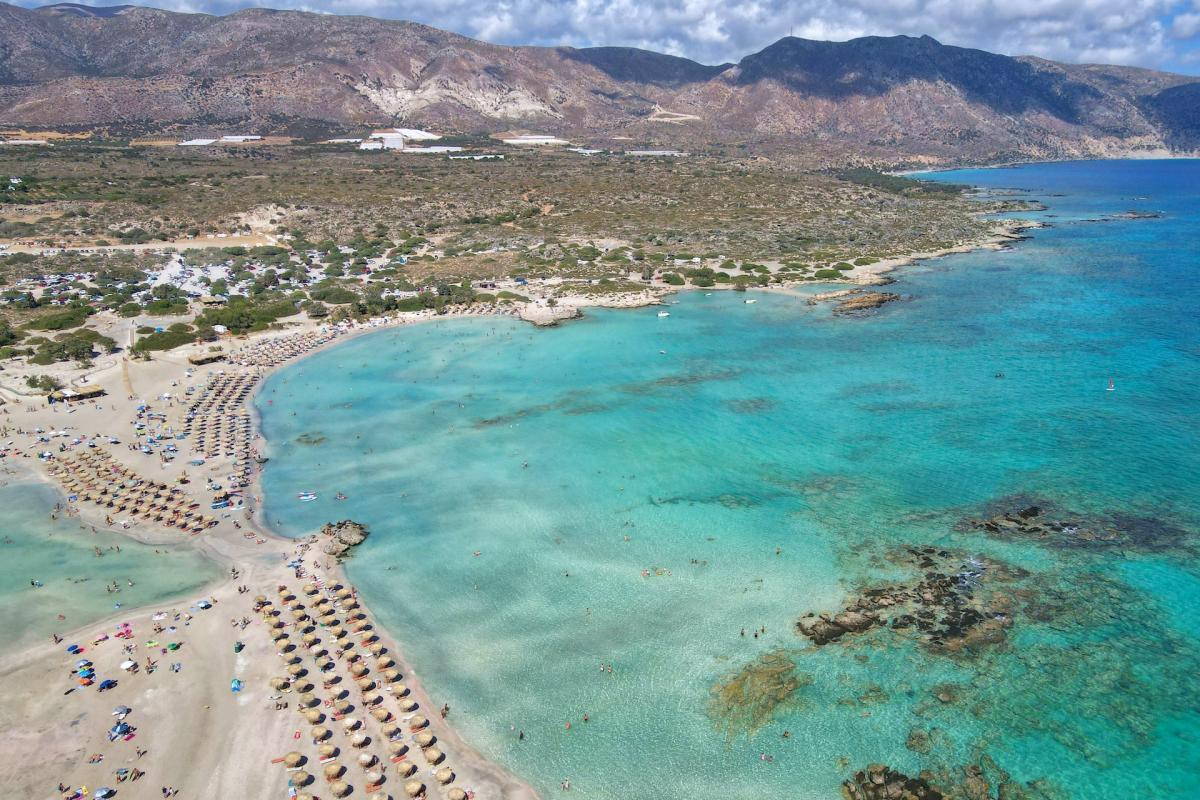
(1162, 34)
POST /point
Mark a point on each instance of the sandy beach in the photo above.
(189, 730)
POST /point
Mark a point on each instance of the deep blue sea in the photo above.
(584, 520)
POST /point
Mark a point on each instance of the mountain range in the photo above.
(140, 70)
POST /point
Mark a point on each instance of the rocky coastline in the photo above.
(341, 537)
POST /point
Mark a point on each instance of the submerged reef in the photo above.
(1065, 651)
(746, 700)
(1043, 522)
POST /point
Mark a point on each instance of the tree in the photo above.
(7, 334)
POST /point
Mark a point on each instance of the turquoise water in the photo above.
(61, 554)
(640, 490)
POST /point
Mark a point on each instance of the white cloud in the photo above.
(1143, 32)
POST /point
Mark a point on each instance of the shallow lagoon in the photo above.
(776, 460)
(61, 553)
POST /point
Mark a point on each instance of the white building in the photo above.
(536, 139)
(197, 142)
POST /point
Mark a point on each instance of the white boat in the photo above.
(664, 313)
(748, 302)
(306, 497)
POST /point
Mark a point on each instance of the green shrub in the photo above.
(61, 320)
(166, 340)
(827, 273)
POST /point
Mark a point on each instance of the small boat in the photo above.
(664, 313)
(339, 496)
(1112, 387)
(306, 497)
(748, 302)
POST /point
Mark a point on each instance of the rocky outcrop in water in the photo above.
(342, 536)
(947, 606)
(879, 782)
(867, 301)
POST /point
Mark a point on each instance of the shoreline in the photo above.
(254, 561)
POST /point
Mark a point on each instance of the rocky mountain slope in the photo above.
(136, 69)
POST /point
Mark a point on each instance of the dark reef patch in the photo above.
(751, 405)
(310, 438)
(727, 499)
(660, 385)
(1044, 522)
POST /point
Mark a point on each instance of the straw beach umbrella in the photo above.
(405, 768)
(293, 759)
(408, 704)
(414, 788)
(339, 789)
(300, 778)
(433, 755)
(381, 714)
(327, 751)
(456, 794)
(444, 775)
(365, 760)
(320, 734)
(417, 722)
(313, 716)
(399, 690)
(397, 748)
(360, 740)
(333, 771)
(425, 739)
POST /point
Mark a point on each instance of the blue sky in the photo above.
(1163, 34)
